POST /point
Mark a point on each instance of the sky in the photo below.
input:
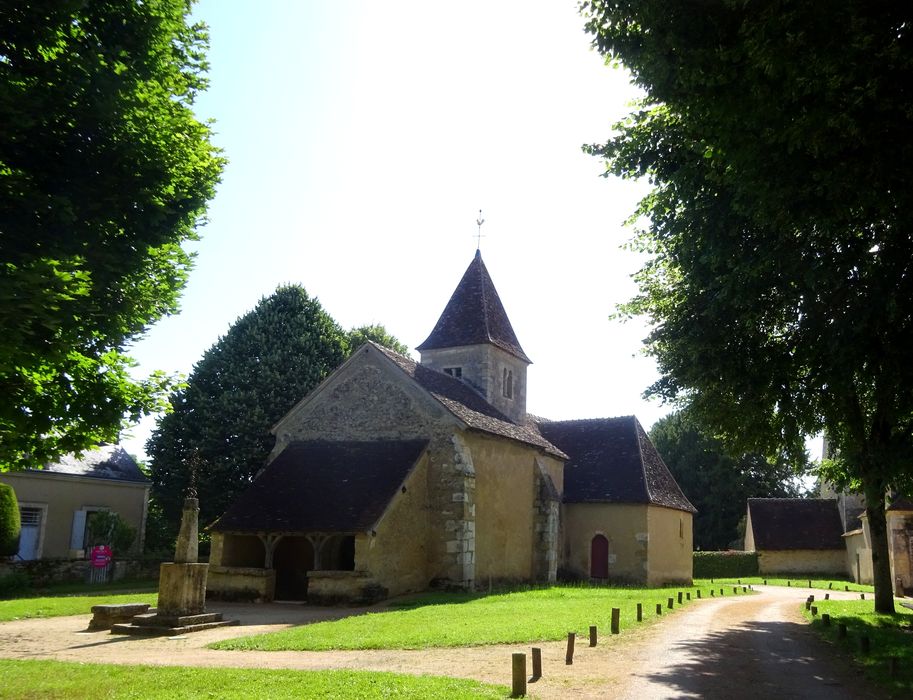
(363, 138)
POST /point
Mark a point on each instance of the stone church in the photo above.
(395, 476)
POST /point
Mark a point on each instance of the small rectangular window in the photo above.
(456, 372)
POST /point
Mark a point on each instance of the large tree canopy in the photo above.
(219, 426)
(104, 172)
(777, 137)
(717, 483)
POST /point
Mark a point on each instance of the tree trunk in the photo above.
(881, 563)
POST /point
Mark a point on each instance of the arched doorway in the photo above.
(293, 558)
(599, 557)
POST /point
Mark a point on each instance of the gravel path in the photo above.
(746, 646)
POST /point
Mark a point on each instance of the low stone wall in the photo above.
(44, 572)
(352, 587)
(241, 583)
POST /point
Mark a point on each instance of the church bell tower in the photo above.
(473, 341)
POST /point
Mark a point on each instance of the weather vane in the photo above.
(479, 223)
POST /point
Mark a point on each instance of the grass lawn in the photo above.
(889, 635)
(57, 605)
(57, 679)
(823, 583)
(453, 620)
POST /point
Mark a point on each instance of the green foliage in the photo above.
(14, 584)
(57, 679)
(104, 173)
(108, 527)
(727, 564)
(220, 422)
(779, 288)
(9, 521)
(718, 484)
(377, 333)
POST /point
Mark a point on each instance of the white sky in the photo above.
(363, 138)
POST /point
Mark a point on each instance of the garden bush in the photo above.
(9, 521)
(14, 584)
(727, 564)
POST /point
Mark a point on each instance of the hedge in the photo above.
(9, 521)
(729, 564)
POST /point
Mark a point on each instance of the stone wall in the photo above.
(44, 572)
(670, 557)
(802, 561)
(624, 525)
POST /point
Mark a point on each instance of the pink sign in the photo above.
(100, 556)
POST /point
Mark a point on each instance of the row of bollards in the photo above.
(518, 659)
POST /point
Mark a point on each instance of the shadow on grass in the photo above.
(760, 660)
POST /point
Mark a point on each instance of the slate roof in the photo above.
(474, 316)
(611, 460)
(901, 503)
(321, 486)
(467, 405)
(104, 462)
(795, 523)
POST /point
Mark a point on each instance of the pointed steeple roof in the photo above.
(474, 316)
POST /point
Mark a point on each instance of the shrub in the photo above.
(107, 527)
(13, 584)
(9, 521)
(728, 564)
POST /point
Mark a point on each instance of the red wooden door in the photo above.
(599, 557)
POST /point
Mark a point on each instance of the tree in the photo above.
(780, 286)
(376, 333)
(9, 521)
(220, 421)
(104, 173)
(718, 484)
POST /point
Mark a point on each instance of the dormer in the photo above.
(473, 341)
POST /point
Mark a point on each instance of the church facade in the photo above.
(395, 476)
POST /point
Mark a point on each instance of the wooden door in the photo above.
(599, 557)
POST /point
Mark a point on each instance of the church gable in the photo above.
(367, 398)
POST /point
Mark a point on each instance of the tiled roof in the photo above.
(467, 405)
(901, 503)
(795, 523)
(611, 460)
(474, 316)
(320, 486)
(104, 462)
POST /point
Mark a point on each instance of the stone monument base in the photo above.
(157, 625)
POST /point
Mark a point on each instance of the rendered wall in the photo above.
(624, 525)
(858, 557)
(900, 543)
(396, 555)
(670, 555)
(63, 494)
(802, 561)
(506, 508)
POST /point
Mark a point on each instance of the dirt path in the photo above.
(738, 646)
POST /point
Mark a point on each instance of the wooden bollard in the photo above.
(864, 644)
(740, 582)
(765, 582)
(789, 584)
(640, 612)
(808, 604)
(518, 672)
(687, 595)
(841, 630)
(616, 620)
(735, 590)
(537, 664)
(569, 656)
(721, 592)
(680, 596)
(830, 585)
(592, 635)
(659, 608)
(827, 596)
(862, 596)
(744, 589)
(814, 611)
(712, 593)
(826, 619)
(671, 603)
(699, 594)
(809, 583)
(846, 588)
(892, 666)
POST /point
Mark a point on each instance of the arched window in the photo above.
(507, 383)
